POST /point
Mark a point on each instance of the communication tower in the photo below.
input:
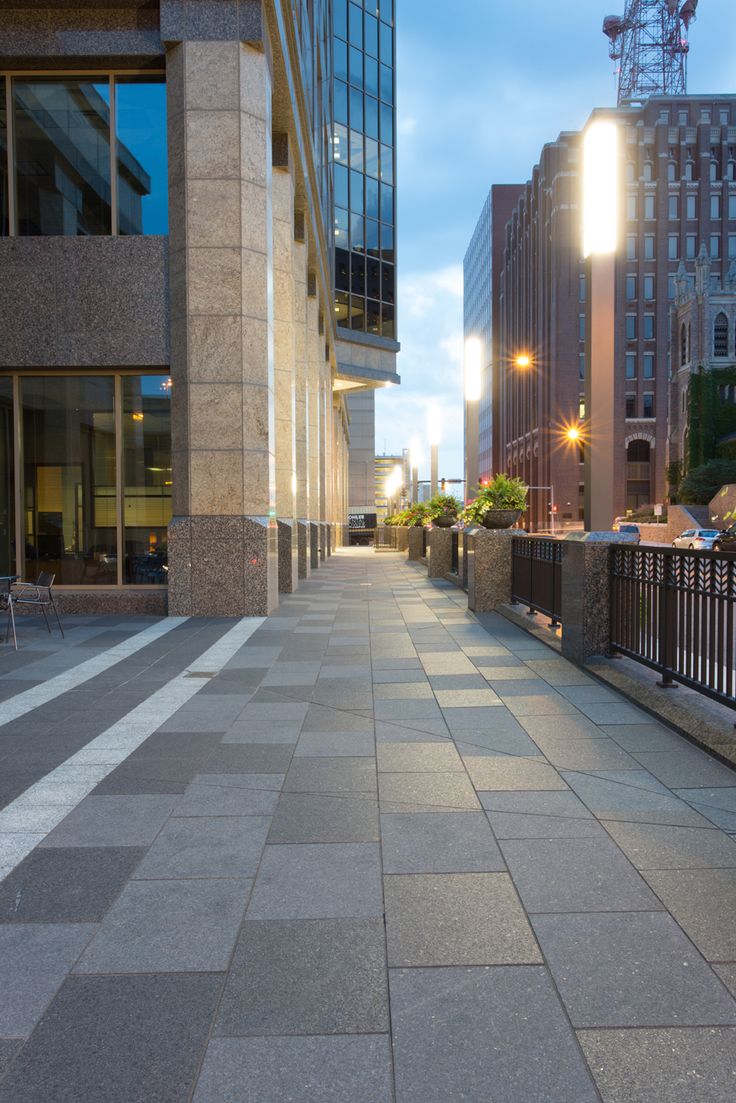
(650, 43)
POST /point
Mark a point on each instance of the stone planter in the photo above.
(501, 518)
(444, 521)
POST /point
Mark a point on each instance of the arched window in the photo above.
(690, 170)
(637, 451)
(720, 336)
(671, 171)
(714, 171)
(683, 346)
(648, 172)
(630, 172)
(731, 170)
(689, 341)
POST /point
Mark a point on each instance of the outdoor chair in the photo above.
(38, 593)
(6, 606)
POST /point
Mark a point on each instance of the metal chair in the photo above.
(6, 606)
(38, 593)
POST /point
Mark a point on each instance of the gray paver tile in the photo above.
(113, 821)
(222, 846)
(306, 976)
(643, 737)
(585, 754)
(407, 710)
(695, 1065)
(631, 969)
(318, 881)
(251, 758)
(703, 901)
(331, 775)
(558, 727)
(686, 767)
(575, 875)
(546, 815)
(540, 704)
(611, 713)
(310, 1070)
(321, 718)
(403, 691)
(321, 818)
(169, 927)
(447, 662)
(9, 1049)
(416, 757)
(507, 772)
(133, 1039)
(439, 842)
(484, 1034)
(631, 795)
(263, 731)
(657, 846)
(456, 919)
(66, 885)
(727, 973)
(335, 745)
(467, 698)
(230, 795)
(34, 960)
(412, 731)
(717, 805)
(426, 792)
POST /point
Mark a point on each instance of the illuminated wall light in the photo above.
(434, 425)
(473, 362)
(137, 417)
(600, 188)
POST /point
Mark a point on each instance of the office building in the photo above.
(175, 359)
(678, 182)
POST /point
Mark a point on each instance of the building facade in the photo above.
(174, 375)
(678, 180)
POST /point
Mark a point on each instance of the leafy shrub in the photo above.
(501, 492)
(703, 483)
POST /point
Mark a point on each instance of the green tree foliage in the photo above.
(702, 483)
(708, 418)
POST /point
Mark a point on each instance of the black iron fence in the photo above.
(536, 575)
(386, 538)
(455, 553)
(675, 611)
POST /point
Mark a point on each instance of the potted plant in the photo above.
(443, 510)
(499, 503)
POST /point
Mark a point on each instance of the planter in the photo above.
(501, 518)
(444, 521)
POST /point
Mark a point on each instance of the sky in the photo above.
(482, 86)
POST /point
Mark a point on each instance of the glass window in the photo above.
(648, 408)
(631, 208)
(387, 165)
(341, 186)
(387, 84)
(356, 109)
(671, 172)
(357, 274)
(357, 312)
(62, 156)
(648, 172)
(387, 203)
(342, 306)
(341, 59)
(142, 155)
(341, 102)
(357, 233)
(388, 320)
(371, 76)
(720, 336)
(387, 44)
(581, 365)
(581, 289)
(388, 283)
(649, 288)
(341, 228)
(341, 18)
(356, 150)
(715, 206)
(356, 192)
(373, 279)
(7, 479)
(631, 293)
(715, 246)
(4, 225)
(356, 67)
(356, 26)
(631, 247)
(371, 36)
(371, 237)
(340, 144)
(631, 365)
(387, 243)
(732, 206)
(146, 451)
(648, 247)
(371, 117)
(387, 10)
(691, 247)
(732, 246)
(691, 206)
(674, 207)
(70, 498)
(373, 316)
(673, 247)
(648, 365)
(630, 405)
(371, 197)
(342, 270)
(581, 327)
(649, 207)
(371, 157)
(630, 172)
(671, 288)
(387, 125)
(631, 327)
(648, 327)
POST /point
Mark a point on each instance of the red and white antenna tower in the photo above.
(650, 43)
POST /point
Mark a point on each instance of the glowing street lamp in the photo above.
(523, 361)
(415, 458)
(601, 188)
(473, 387)
(434, 434)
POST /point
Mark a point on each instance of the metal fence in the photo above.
(675, 611)
(387, 539)
(536, 575)
(455, 552)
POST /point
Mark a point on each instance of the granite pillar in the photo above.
(415, 543)
(585, 600)
(488, 556)
(284, 362)
(439, 552)
(301, 436)
(314, 359)
(314, 545)
(402, 538)
(222, 537)
(303, 554)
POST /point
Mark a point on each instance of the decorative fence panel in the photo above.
(536, 575)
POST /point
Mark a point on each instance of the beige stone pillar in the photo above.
(284, 362)
(439, 552)
(300, 376)
(222, 538)
(315, 341)
(488, 556)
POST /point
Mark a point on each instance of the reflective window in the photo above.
(387, 203)
(631, 247)
(631, 288)
(140, 107)
(356, 67)
(371, 198)
(341, 102)
(631, 327)
(674, 207)
(691, 206)
(371, 117)
(371, 157)
(340, 17)
(371, 76)
(340, 61)
(673, 247)
(62, 155)
(356, 109)
(387, 44)
(648, 327)
(649, 365)
(387, 84)
(715, 206)
(341, 185)
(387, 165)
(691, 246)
(69, 491)
(146, 450)
(649, 288)
(648, 247)
(649, 207)
(7, 479)
(648, 406)
(631, 365)
(356, 26)
(356, 150)
(387, 125)
(340, 144)
(341, 228)
(3, 161)
(371, 36)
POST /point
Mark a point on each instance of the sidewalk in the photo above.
(365, 851)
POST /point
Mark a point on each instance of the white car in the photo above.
(696, 539)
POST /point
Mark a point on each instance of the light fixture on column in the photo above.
(415, 458)
(601, 188)
(473, 387)
(434, 435)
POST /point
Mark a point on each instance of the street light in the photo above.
(601, 171)
(523, 361)
(415, 458)
(434, 434)
(473, 387)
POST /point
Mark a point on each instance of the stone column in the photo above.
(416, 544)
(301, 369)
(439, 552)
(284, 362)
(488, 554)
(402, 538)
(315, 340)
(586, 600)
(222, 538)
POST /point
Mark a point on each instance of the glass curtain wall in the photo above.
(94, 478)
(68, 131)
(363, 165)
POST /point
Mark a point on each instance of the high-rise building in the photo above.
(176, 359)
(678, 179)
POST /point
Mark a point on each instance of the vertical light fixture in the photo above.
(601, 190)
(473, 383)
(415, 458)
(434, 435)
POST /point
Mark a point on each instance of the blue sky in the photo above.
(480, 90)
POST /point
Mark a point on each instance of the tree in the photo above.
(702, 483)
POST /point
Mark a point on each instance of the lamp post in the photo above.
(473, 369)
(414, 460)
(434, 434)
(600, 238)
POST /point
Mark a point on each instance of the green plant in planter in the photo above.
(501, 492)
(442, 504)
(417, 515)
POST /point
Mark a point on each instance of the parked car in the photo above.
(697, 539)
(726, 540)
(629, 529)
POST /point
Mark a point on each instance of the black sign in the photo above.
(362, 520)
